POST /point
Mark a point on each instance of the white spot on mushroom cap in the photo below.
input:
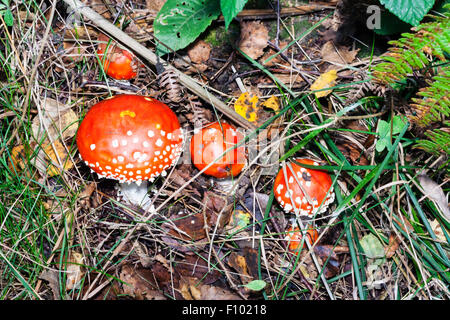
(92, 146)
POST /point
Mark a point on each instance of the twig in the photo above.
(151, 57)
(284, 12)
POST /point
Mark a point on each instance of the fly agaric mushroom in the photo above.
(118, 63)
(294, 237)
(303, 191)
(132, 139)
(210, 142)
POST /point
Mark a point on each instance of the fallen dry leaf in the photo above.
(48, 158)
(394, 243)
(325, 80)
(272, 103)
(433, 191)
(192, 289)
(139, 283)
(254, 37)
(74, 271)
(277, 59)
(199, 52)
(247, 106)
(338, 54)
(19, 156)
(239, 263)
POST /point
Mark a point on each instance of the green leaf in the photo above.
(180, 22)
(384, 129)
(390, 24)
(256, 285)
(398, 122)
(410, 11)
(8, 17)
(230, 9)
(373, 248)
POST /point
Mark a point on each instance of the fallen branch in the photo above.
(151, 57)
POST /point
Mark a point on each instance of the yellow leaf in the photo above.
(53, 170)
(246, 106)
(326, 80)
(272, 103)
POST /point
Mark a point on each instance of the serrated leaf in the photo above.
(230, 9)
(180, 22)
(410, 11)
(256, 285)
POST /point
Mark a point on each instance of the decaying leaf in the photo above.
(193, 289)
(254, 37)
(49, 157)
(375, 254)
(139, 284)
(52, 277)
(239, 219)
(394, 243)
(247, 106)
(74, 271)
(433, 191)
(325, 80)
(338, 54)
(19, 155)
(199, 52)
(264, 60)
(272, 103)
(239, 263)
(437, 229)
(56, 120)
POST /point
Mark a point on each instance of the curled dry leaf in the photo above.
(192, 289)
(74, 271)
(254, 37)
(239, 263)
(338, 54)
(433, 191)
(53, 159)
(394, 243)
(199, 52)
(325, 80)
(139, 284)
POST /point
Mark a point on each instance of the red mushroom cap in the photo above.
(210, 143)
(294, 238)
(130, 138)
(118, 63)
(316, 184)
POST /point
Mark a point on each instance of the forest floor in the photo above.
(296, 85)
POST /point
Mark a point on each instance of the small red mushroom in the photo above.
(294, 237)
(304, 191)
(210, 142)
(118, 63)
(130, 138)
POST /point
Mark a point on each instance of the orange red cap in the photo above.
(290, 190)
(210, 142)
(118, 63)
(130, 138)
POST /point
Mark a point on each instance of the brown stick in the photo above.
(151, 57)
(284, 12)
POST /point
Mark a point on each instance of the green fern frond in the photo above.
(439, 142)
(415, 51)
(432, 103)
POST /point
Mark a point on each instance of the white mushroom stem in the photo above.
(135, 193)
